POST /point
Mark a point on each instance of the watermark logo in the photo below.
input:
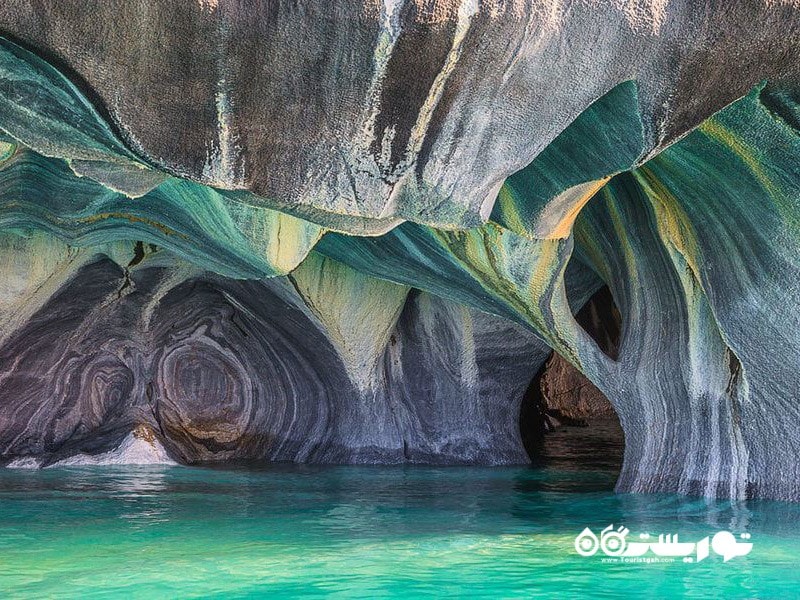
(666, 548)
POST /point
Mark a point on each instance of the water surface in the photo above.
(369, 532)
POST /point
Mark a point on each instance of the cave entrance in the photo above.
(565, 421)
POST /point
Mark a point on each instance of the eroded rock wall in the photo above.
(362, 113)
(222, 369)
(352, 232)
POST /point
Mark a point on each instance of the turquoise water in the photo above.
(367, 532)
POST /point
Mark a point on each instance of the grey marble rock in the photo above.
(361, 113)
(353, 231)
(220, 369)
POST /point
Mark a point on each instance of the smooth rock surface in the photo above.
(354, 232)
(219, 369)
(391, 109)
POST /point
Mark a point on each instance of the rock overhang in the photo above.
(365, 158)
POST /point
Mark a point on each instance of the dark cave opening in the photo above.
(565, 420)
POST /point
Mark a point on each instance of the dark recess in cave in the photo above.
(564, 417)
(602, 320)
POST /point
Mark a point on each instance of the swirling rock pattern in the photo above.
(222, 369)
(363, 247)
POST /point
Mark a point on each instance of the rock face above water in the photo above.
(224, 369)
(354, 232)
(358, 113)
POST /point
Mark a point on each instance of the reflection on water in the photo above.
(367, 531)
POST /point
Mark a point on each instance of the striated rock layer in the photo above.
(355, 233)
(229, 369)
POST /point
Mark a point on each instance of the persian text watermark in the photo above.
(615, 547)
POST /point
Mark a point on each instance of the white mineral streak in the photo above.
(385, 158)
(740, 472)
(209, 5)
(224, 166)
(542, 23)
(469, 354)
(136, 449)
(221, 167)
(466, 10)
(228, 144)
(24, 462)
(488, 202)
(387, 39)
